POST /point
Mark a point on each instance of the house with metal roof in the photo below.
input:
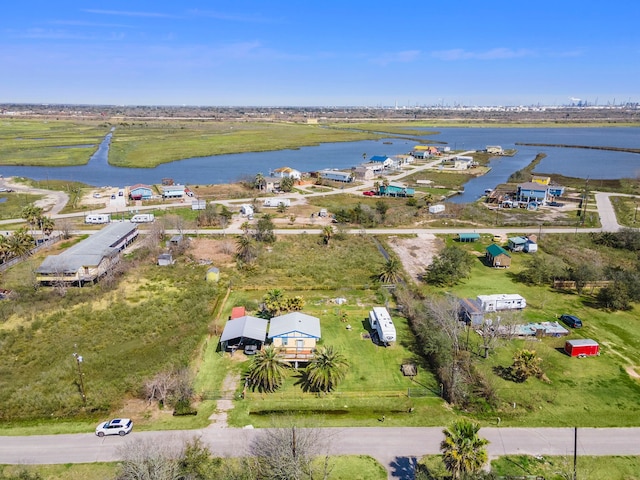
(336, 175)
(497, 256)
(468, 237)
(90, 259)
(396, 190)
(140, 192)
(385, 161)
(173, 191)
(295, 335)
(246, 330)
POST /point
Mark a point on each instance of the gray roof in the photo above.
(294, 322)
(245, 327)
(89, 252)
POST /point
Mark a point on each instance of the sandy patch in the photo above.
(416, 254)
(217, 251)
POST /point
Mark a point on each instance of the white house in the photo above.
(287, 172)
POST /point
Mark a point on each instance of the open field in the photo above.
(550, 468)
(342, 467)
(155, 303)
(52, 143)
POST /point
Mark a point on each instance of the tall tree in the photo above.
(327, 368)
(463, 451)
(246, 250)
(267, 370)
(32, 214)
(450, 267)
(264, 230)
(259, 181)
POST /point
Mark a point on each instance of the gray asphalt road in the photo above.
(390, 446)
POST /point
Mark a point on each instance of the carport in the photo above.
(245, 330)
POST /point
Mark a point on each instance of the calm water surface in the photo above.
(594, 164)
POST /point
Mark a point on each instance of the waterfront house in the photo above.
(287, 172)
(396, 190)
(336, 175)
(172, 191)
(385, 161)
(140, 192)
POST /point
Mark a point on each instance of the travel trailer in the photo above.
(381, 322)
(98, 218)
(143, 218)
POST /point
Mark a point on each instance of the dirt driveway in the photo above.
(417, 253)
(53, 201)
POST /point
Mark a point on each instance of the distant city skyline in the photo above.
(337, 53)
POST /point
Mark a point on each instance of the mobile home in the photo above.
(381, 322)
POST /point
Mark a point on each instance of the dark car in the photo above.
(571, 320)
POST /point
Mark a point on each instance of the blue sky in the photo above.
(331, 53)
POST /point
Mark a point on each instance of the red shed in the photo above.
(237, 312)
(583, 347)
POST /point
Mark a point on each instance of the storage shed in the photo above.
(497, 256)
(213, 274)
(582, 347)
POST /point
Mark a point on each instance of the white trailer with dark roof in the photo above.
(381, 322)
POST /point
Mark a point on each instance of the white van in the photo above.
(143, 218)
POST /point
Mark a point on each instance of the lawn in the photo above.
(582, 392)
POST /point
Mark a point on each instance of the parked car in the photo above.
(113, 197)
(250, 349)
(571, 320)
(369, 193)
(116, 426)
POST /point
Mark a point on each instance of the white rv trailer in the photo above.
(276, 202)
(493, 303)
(381, 322)
(142, 218)
(98, 218)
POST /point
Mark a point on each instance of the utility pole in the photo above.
(80, 376)
(575, 453)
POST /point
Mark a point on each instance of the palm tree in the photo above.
(246, 249)
(20, 243)
(327, 368)
(267, 370)
(5, 251)
(258, 181)
(274, 301)
(327, 234)
(390, 271)
(46, 225)
(463, 451)
(32, 215)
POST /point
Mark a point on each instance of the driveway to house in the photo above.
(396, 448)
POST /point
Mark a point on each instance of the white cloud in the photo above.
(126, 13)
(493, 54)
(397, 57)
(243, 18)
